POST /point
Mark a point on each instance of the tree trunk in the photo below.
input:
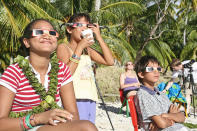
(152, 32)
(97, 5)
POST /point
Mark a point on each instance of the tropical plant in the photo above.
(14, 16)
(136, 27)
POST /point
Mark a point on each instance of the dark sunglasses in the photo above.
(151, 69)
(39, 32)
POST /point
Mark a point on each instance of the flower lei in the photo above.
(48, 98)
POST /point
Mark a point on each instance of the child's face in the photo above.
(76, 31)
(44, 43)
(150, 77)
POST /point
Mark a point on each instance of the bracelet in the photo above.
(24, 124)
(33, 119)
(21, 124)
(75, 57)
(74, 60)
(27, 121)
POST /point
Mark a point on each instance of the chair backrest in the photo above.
(133, 112)
(138, 112)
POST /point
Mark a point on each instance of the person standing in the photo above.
(78, 55)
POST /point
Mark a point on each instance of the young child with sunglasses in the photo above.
(31, 88)
(78, 55)
(129, 81)
(155, 110)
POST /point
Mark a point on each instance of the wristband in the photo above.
(27, 118)
(75, 57)
(24, 124)
(21, 124)
(74, 60)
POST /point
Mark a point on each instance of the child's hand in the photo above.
(49, 117)
(85, 42)
(173, 109)
(153, 127)
(96, 30)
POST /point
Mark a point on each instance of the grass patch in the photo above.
(190, 125)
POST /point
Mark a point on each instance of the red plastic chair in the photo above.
(131, 105)
(133, 112)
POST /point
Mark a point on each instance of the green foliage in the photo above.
(130, 23)
(189, 51)
(190, 125)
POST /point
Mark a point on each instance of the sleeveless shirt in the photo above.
(84, 80)
(129, 80)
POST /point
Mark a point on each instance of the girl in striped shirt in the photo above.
(31, 94)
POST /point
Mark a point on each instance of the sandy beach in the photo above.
(119, 121)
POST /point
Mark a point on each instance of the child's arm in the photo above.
(174, 114)
(162, 122)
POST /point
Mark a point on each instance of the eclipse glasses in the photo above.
(39, 32)
(82, 25)
(151, 69)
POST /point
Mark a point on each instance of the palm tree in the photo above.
(116, 15)
(14, 16)
(187, 17)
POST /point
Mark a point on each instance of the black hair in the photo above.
(28, 34)
(74, 18)
(142, 64)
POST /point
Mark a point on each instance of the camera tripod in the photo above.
(194, 90)
(190, 80)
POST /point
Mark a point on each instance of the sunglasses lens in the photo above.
(91, 25)
(38, 32)
(79, 24)
(159, 69)
(149, 69)
(53, 33)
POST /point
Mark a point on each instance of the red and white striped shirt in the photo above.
(25, 96)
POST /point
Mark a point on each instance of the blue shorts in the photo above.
(87, 109)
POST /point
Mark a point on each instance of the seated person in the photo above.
(129, 81)
(173, 93)
(33, 88)
(181, 70)
(157, 111)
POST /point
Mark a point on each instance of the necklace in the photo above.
(47, 98)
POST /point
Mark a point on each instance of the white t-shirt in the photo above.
(175, 74)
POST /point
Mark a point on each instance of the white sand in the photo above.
(120, 121)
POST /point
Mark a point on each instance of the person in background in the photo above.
(129, 81)
(157, 111)
(78, 55)
(181, 70)
(31, 88)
